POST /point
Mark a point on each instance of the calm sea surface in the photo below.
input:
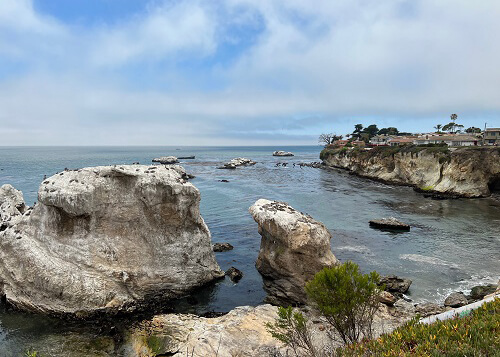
(453, 244)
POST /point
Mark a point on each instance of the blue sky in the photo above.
(241, 72)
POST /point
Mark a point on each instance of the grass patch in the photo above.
(477, 334)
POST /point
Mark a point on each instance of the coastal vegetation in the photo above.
(477, 334)
(345, 298)
(386, 151)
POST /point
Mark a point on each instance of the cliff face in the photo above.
(465, 172)
(105, 239)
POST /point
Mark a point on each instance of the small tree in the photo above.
(346, 298)
(438, 128)
(291, 329)
(327, 139)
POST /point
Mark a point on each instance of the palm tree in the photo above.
(438, 127)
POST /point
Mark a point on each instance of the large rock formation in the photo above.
(107, 239)
(466, 172)
(294, 247)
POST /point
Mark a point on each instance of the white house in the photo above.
(450, 140)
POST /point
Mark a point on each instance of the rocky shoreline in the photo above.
(435, 171)
(109, 242)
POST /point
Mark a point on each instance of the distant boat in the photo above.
(186, 157)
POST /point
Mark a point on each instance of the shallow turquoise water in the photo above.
(453, 244)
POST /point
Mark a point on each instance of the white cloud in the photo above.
(330, 62)
(161, 33)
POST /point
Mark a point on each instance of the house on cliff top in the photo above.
(450, 140)
(491, 136)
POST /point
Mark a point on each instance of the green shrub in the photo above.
(477, 334)
(346, 298)
(291, 329)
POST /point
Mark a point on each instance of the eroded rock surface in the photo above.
(294, 247)
(395, 284)
(456, 299)
(12, 206)
(241, 332)
(465, 172)
(107, 239)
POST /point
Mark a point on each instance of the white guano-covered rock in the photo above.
(12, 206)
(109, 239)
(166, 160)
(282, 153)
(294, 247)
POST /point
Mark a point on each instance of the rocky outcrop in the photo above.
(241, 332)
(12, 206)
(282, 153)
(166, 160)
(294, 247)
(456, 300)
(386, 298)
(234, 163)
(464, 172)
(395, 284)
(428, 309)
(107, 239)
(480, 291)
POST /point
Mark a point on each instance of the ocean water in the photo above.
(453, 244)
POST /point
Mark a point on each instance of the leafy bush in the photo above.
(291, 328)
(346, 298)
(477, 334)
(326, 152)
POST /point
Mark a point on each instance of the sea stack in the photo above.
(107, 239)
(294, 247)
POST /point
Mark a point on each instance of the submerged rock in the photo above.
(234, 163)
(234, 274)
(166, 160)
(294, 247)
(282, 153)
(389, 223)
(107, 239)
(222, 247)
(456, 300)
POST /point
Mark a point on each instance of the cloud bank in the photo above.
(238, 72)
